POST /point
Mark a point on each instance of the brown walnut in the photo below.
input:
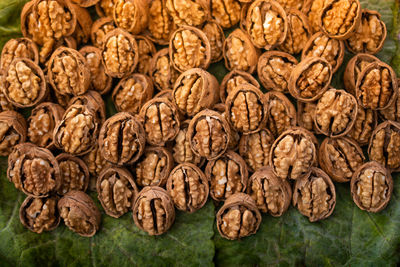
(364, 125)
(161, 70)
(105, 8)
(74, 174)
(281, 113)
(181, 150)
(306, 115)
(13, 131)
(92, 100)
(188, 12)
(18, 48)
(216, 36)
(131, 15)
(225, 12)
(146, 50)
(99, 30)
(161, 24)
(232, 80)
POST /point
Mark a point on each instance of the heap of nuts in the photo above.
(179, 135)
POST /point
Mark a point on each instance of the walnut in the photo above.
(299, 31)
(321, 45)
(77, 132)
(24, 83)
(122, 139)
(392, 112)
(238, 217)
(74, 173)
(281, 113)
(181, 150)
(120, 53)
(131, 15)
(99, 80)
(336, 113)
(92, 100)
(225, 12)
(306, 115)
(340, 158)
(132, 92)
(189, 48)
(216, 36)
(116, 191)
(79, 213)
(239, 52)
(188, 187)
(314, 195)
(293, 154)
(364, 125)
(83, 24)
(161, 24)
(154, 167)
(310, 79)
(18, 48)
(246, 109)
(340, 18)
(13, 131)
(234, 136)
(153, 211)
(99, 30)
(371, 187)
(160, 120)
(376, 86)
(105, 8)
(227, 175)
(232, 80)
(369, 36)
(161, 70)
(266, 24)
(384, 145)
(188, 12)
(270, 193)
(313, 10)
(195, 90)
(39, 214)
(68, 72)
(34, 170)
(146, 50)
(42, 122)
(274, 69)
(209, 134)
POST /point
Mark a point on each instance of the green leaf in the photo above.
(10, 23)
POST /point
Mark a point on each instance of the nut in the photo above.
(79, 213)
(68, 72)
(154, 167)
(116, 191)
(132, 93)
(369, 36)
(314, 195)
(274, 69)
(392, 112)
(271, 194)
(161, 24)
(281, 113)
(74, 174)
(255, 149)
(42, 122)
(24, 83)
(340, 158)
(299, 31)
(39, 214)
(321, 45)
(234, 135)
(232, 80)
(131, 15)
(216, 36)
(239, 52)
(313, 10)
(238, 217)
(266, 24)
(83, 23)
(371, 187)
(376, 86)
(227, 175)
(100, 28)
(225, 12)
(364, 125)
(181, 150)
(188, 187)
(13, 131)
(120, 53)
(154, 210)
(122, 139)
(105, 8)
(99, 80)
(18, 48)
(189, 48)
(146, 50)
(195, 90)
(92, 100)
(339, 19)
(34, 170)
(246, 109)
(293, 154)
(336, 113)
(310, 79)
(306, 115)
(161, 70)
(77, 132)
(188, 12)
(384, 145)
(209, 134)
(160, 120)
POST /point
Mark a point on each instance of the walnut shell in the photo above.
(99, 30)
(216, 36)
(92, 100)
(18, 48)
(74, 173)
(13, 131)
(233, 79)
(85, 3)
(83, 22)
(131, 15)
(146, 50)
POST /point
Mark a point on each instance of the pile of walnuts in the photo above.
(180, 135)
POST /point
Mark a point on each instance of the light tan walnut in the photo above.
(306, 115)
(364, 125)
(281, 113)
(181, 149)
(225, 12)
(161, 70)
(99, 30)
(18, 48)
(131, 15)
(74, 173)
(188, 12)
(299, 31)
(39, 214)
(161, 24)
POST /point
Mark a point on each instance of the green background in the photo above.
(349, 237)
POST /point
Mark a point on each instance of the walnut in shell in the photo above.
(216, 36)
(99, 30)
(188, 12)
(83, 23)
(92, 100)
(306, 115)
(13, 131)
(225, 12)
(74, 174)
(364, 125)
(161, 24)
(181, 150)
(146, 50)
(18, 48)
(232, 80)
(131, 15)
(281, 113)
(105, 8)
(161, 70)
(313, 10)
